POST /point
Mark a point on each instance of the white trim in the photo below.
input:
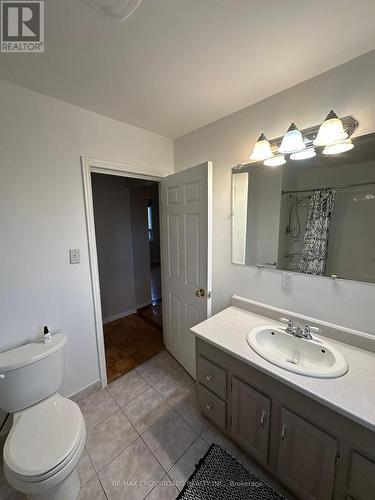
(90, 165)
(122, 314)
(209, 238)
(145, 304)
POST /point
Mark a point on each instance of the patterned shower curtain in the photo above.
(315, 243)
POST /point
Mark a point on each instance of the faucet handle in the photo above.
(307, 331)
(312, 328)
(290, 323)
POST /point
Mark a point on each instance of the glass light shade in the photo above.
(292, 141)
(304, 154)
(275, 161)
(338, 147)
(262, 149)
(330, 131)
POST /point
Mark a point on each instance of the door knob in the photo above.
(199, 292)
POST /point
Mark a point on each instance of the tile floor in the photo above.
(145, 435)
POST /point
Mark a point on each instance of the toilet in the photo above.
(48, 435)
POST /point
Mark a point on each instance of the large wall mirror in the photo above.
(315, 216)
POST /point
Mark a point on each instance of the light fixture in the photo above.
(330, 131)
(275, 161)
(304, 154)
(292, 141)
(338, 147)
(262, 149)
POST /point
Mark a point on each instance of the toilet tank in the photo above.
(31, 372)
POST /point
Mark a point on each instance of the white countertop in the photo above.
(352, 395)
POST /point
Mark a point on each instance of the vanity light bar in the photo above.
(333, 131)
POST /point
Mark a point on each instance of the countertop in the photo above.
(352, 395)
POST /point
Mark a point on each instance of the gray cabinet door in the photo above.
(361, 477)
(250, 419)
(306, 459)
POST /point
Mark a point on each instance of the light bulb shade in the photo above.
(262, 149)
(275, 161)
(338, 147)
(292, 141)
(330, 131)
(304, 154)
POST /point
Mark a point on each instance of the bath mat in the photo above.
(219, 476)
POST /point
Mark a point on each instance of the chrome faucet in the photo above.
(297, 331)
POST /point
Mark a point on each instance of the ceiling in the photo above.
(176, 65)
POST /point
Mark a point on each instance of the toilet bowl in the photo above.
(43, 448)
(48, 435)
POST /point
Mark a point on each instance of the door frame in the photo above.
(89, 166)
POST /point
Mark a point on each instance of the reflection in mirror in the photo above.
(313, 216)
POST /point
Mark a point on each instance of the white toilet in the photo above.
(48, 435)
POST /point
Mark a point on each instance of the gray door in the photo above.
(306, 460)
(250, 419)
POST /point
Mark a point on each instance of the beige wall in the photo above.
(349, 89)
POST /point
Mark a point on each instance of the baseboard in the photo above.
(145, 304)
(119, 315)
(86, 391)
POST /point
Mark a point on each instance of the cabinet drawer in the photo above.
(212, 376)
(212, 407)
(361, 477)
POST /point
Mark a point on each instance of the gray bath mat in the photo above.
(219, 476)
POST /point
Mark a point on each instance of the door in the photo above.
(250, 419)
(186, 258)
(307, 458)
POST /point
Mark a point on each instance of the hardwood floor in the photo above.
(152, 313)
(129, 342)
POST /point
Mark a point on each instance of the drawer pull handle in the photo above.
(208, 407)
(283, 433)
(263, 418)
(209, 378)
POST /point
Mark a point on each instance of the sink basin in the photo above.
(313, 358)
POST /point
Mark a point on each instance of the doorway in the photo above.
(126, 217)
(185, 249)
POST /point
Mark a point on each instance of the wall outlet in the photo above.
(287, 281)
(74, 255)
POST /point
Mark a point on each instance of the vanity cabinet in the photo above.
(306, 458)
(315, 452)
(361, 478)
(250, 419)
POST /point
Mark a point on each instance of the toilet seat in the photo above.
(44, 438)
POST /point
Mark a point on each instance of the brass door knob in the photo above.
(199, 292)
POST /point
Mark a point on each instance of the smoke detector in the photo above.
(118, 9)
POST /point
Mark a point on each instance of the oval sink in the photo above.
(313, 358)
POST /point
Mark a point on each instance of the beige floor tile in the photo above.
(174, 387)
(92, 490)
(128, 387)
(184, 468)
(97, 407)
(164, 491)
(156, 368)
(85, 468)
(145, 409)
(188, 409)
(108, 438)
(131, 475)
(169, 438)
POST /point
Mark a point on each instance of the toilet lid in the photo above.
(43, 436)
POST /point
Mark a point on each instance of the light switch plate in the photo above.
(75, 257)
(287, 281)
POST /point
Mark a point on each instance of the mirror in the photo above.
(314, 216)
